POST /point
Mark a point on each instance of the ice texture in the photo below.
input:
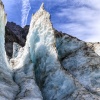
(53, 81)
(8, 88)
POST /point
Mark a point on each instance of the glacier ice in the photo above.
(8, 88)
(18, 83)
(16, 48)
(40, 55)
(51, 65)
(48, 71)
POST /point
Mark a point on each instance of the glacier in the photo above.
(43, 52)
(8, 88)
(38, 53)
(51, 65)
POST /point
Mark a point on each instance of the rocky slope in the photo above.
(51, 65)
(14, 33)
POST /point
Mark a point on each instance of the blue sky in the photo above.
(79, 18)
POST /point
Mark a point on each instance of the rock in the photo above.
(10, 37)
(14, 33)
(17, 30)
(25, 31)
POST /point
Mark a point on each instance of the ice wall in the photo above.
(8, 88)
(24, 76)
(53, 81)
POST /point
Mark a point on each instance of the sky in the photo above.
(79, 18)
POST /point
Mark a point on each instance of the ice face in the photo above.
(2, 33)
(7, 86)
(41, 45)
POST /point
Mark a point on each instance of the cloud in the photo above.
(83, 19)
(25, 11)
(80, 18)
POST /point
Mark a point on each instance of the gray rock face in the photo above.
(14, 33)
(10, 37)
(51, 65)
(16, 30)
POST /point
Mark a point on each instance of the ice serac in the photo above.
(84, 65)
(82, 60)
(8, 89)
(54, 82)
(24, 76)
